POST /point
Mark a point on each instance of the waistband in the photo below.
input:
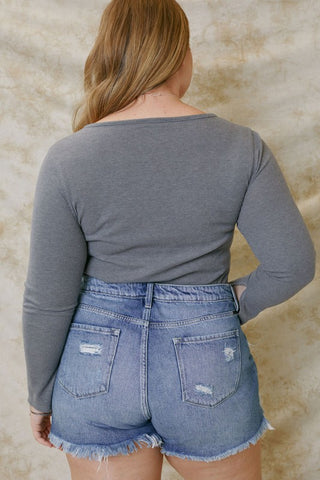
(162, 291)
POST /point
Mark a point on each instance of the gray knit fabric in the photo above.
(155, 200)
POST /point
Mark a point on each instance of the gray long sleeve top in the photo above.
(155, 200)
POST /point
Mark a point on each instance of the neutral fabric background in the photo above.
(256, 62)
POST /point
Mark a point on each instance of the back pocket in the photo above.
(209, 367)
(87, 360)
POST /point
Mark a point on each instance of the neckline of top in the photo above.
(151, 120)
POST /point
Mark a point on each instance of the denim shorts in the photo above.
(156, 364)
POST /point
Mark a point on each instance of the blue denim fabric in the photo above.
(163, 364)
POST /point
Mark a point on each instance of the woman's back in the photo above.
(157, 199)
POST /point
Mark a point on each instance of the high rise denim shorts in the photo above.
(156, 364)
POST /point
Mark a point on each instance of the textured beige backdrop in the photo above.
(256, 62)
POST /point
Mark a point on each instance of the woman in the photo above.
(133, 333)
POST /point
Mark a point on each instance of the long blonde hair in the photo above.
(140, 44)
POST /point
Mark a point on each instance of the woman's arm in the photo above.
(58, 254)
(274, 228)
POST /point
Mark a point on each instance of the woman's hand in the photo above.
(41, 425)
(239, 289)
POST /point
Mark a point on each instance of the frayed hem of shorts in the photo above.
(265, 425)
(100, 452)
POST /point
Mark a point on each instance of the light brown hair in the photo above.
(140, 44)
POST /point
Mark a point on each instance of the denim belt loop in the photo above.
(149, 295)
(236, 301)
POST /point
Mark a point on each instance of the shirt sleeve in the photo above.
(58, 253)
(275, 230)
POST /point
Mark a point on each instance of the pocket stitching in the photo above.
(210, 336)
(181, 367)
(110, 313)
(95, 328)
(111, 332)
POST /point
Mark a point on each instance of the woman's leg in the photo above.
(245, 465)
(143, 464)
(146, 464)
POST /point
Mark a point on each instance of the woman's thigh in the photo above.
(245, 465)
(146, 464)
(143, 464)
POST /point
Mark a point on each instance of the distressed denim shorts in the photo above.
(156, 364)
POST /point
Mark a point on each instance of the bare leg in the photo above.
(143, 464)
(245, 465)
